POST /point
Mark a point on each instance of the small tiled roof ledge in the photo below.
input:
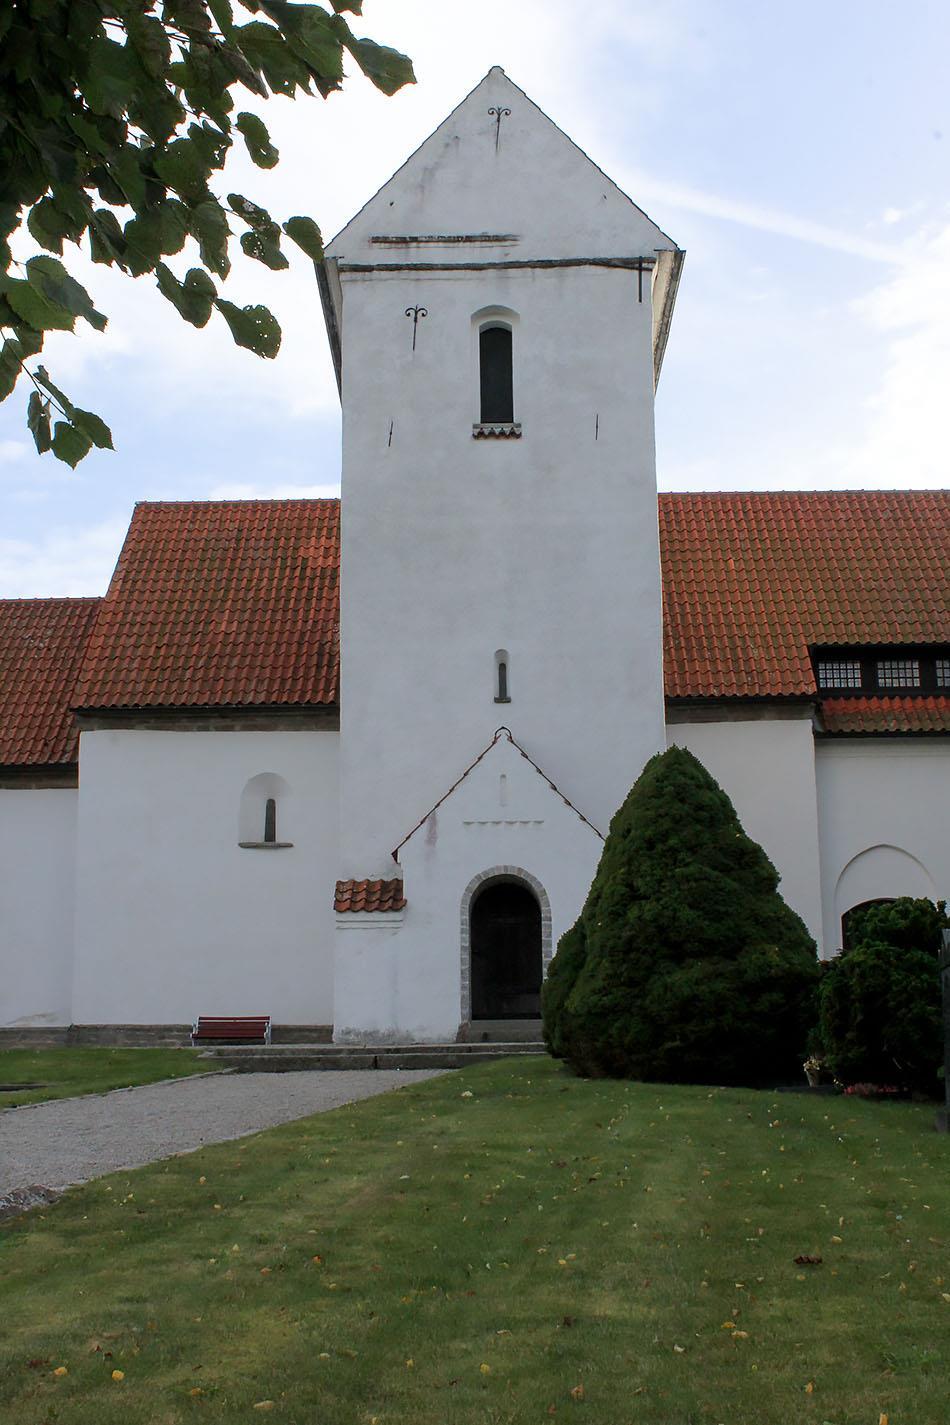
(373, 901)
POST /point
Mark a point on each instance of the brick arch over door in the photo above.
(484, 878)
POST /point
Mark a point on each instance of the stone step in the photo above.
(500, 1031)
(282, 1058)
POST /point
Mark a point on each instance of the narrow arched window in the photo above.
(502, 695)
(270, 819)
(495, 374)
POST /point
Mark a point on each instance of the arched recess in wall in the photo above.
(263, 815)
(495, 876)
(494, 332)
(881, 873)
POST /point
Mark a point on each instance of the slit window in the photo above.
(502, 694)
(495, 374)
(270, 820)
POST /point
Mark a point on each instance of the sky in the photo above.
(798, 153)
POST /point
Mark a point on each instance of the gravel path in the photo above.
(73, 1140)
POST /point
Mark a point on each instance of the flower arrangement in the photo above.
(813, 1066)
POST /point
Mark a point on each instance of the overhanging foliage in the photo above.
(115, 118)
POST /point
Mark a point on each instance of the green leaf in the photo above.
(255, 328)
(209, 225)
(355, 7)
(48, 226)
(11, 354)
(265, 47)
(37, 420)
(255, 217)
(387, 68)
(257, 139)
(156, 232)
(70, 444)
(223, 16)
(184, 168)
(149, 40)
(111, 78)
(94, 427)
(193, 298)
(265, 247)
(305, 233)
(188, 15)
(50, 278)
(34, 309)
(312, 35)
(42, 376)
(241, 70)
(30, 341)
(106, 239)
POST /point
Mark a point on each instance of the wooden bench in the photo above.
(232, 1028)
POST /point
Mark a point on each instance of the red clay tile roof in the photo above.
(235, 604)
(870, 715)
(752, 579)
(42, 642)
(220, 604)
(369, 896)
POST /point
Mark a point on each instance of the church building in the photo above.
(351, 763)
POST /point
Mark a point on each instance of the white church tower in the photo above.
(498, 314)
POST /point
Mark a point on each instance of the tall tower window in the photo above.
(495, 375)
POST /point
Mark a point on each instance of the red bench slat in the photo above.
(239, 1026)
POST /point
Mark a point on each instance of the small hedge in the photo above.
(881, 1016)
(685, 964)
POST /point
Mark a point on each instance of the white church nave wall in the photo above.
(766, 765)
(37, 886)
(174, 918)
(884, 823)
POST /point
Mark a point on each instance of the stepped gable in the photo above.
(220, 604)
(42, 642)
(752, 580)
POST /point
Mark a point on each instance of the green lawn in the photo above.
(65, 1072)
(504, 1244)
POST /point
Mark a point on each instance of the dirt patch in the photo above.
(20, 1200)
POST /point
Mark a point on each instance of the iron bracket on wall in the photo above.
(415, 313)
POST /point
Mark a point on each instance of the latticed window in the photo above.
(839, 673)
(943, 672)
(898, 673)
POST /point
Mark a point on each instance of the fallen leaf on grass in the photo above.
(804, 1260)
(577, 1392)
(61, 1371)
(810, 1388)
(118, 1375)
(264, 1405)
(485, 1369)
(680, 1350)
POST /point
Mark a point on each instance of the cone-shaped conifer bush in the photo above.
(685, 964)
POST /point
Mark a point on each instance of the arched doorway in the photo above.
(507, 964)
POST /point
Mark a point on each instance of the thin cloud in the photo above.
(768, 220)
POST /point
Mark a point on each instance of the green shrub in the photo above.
(685, 964)
(880, 1004)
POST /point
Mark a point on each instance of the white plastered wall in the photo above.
(884, 818)
(401, 976)
(767, 768)
(545, 546)
(173, 917)
(37, 887)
